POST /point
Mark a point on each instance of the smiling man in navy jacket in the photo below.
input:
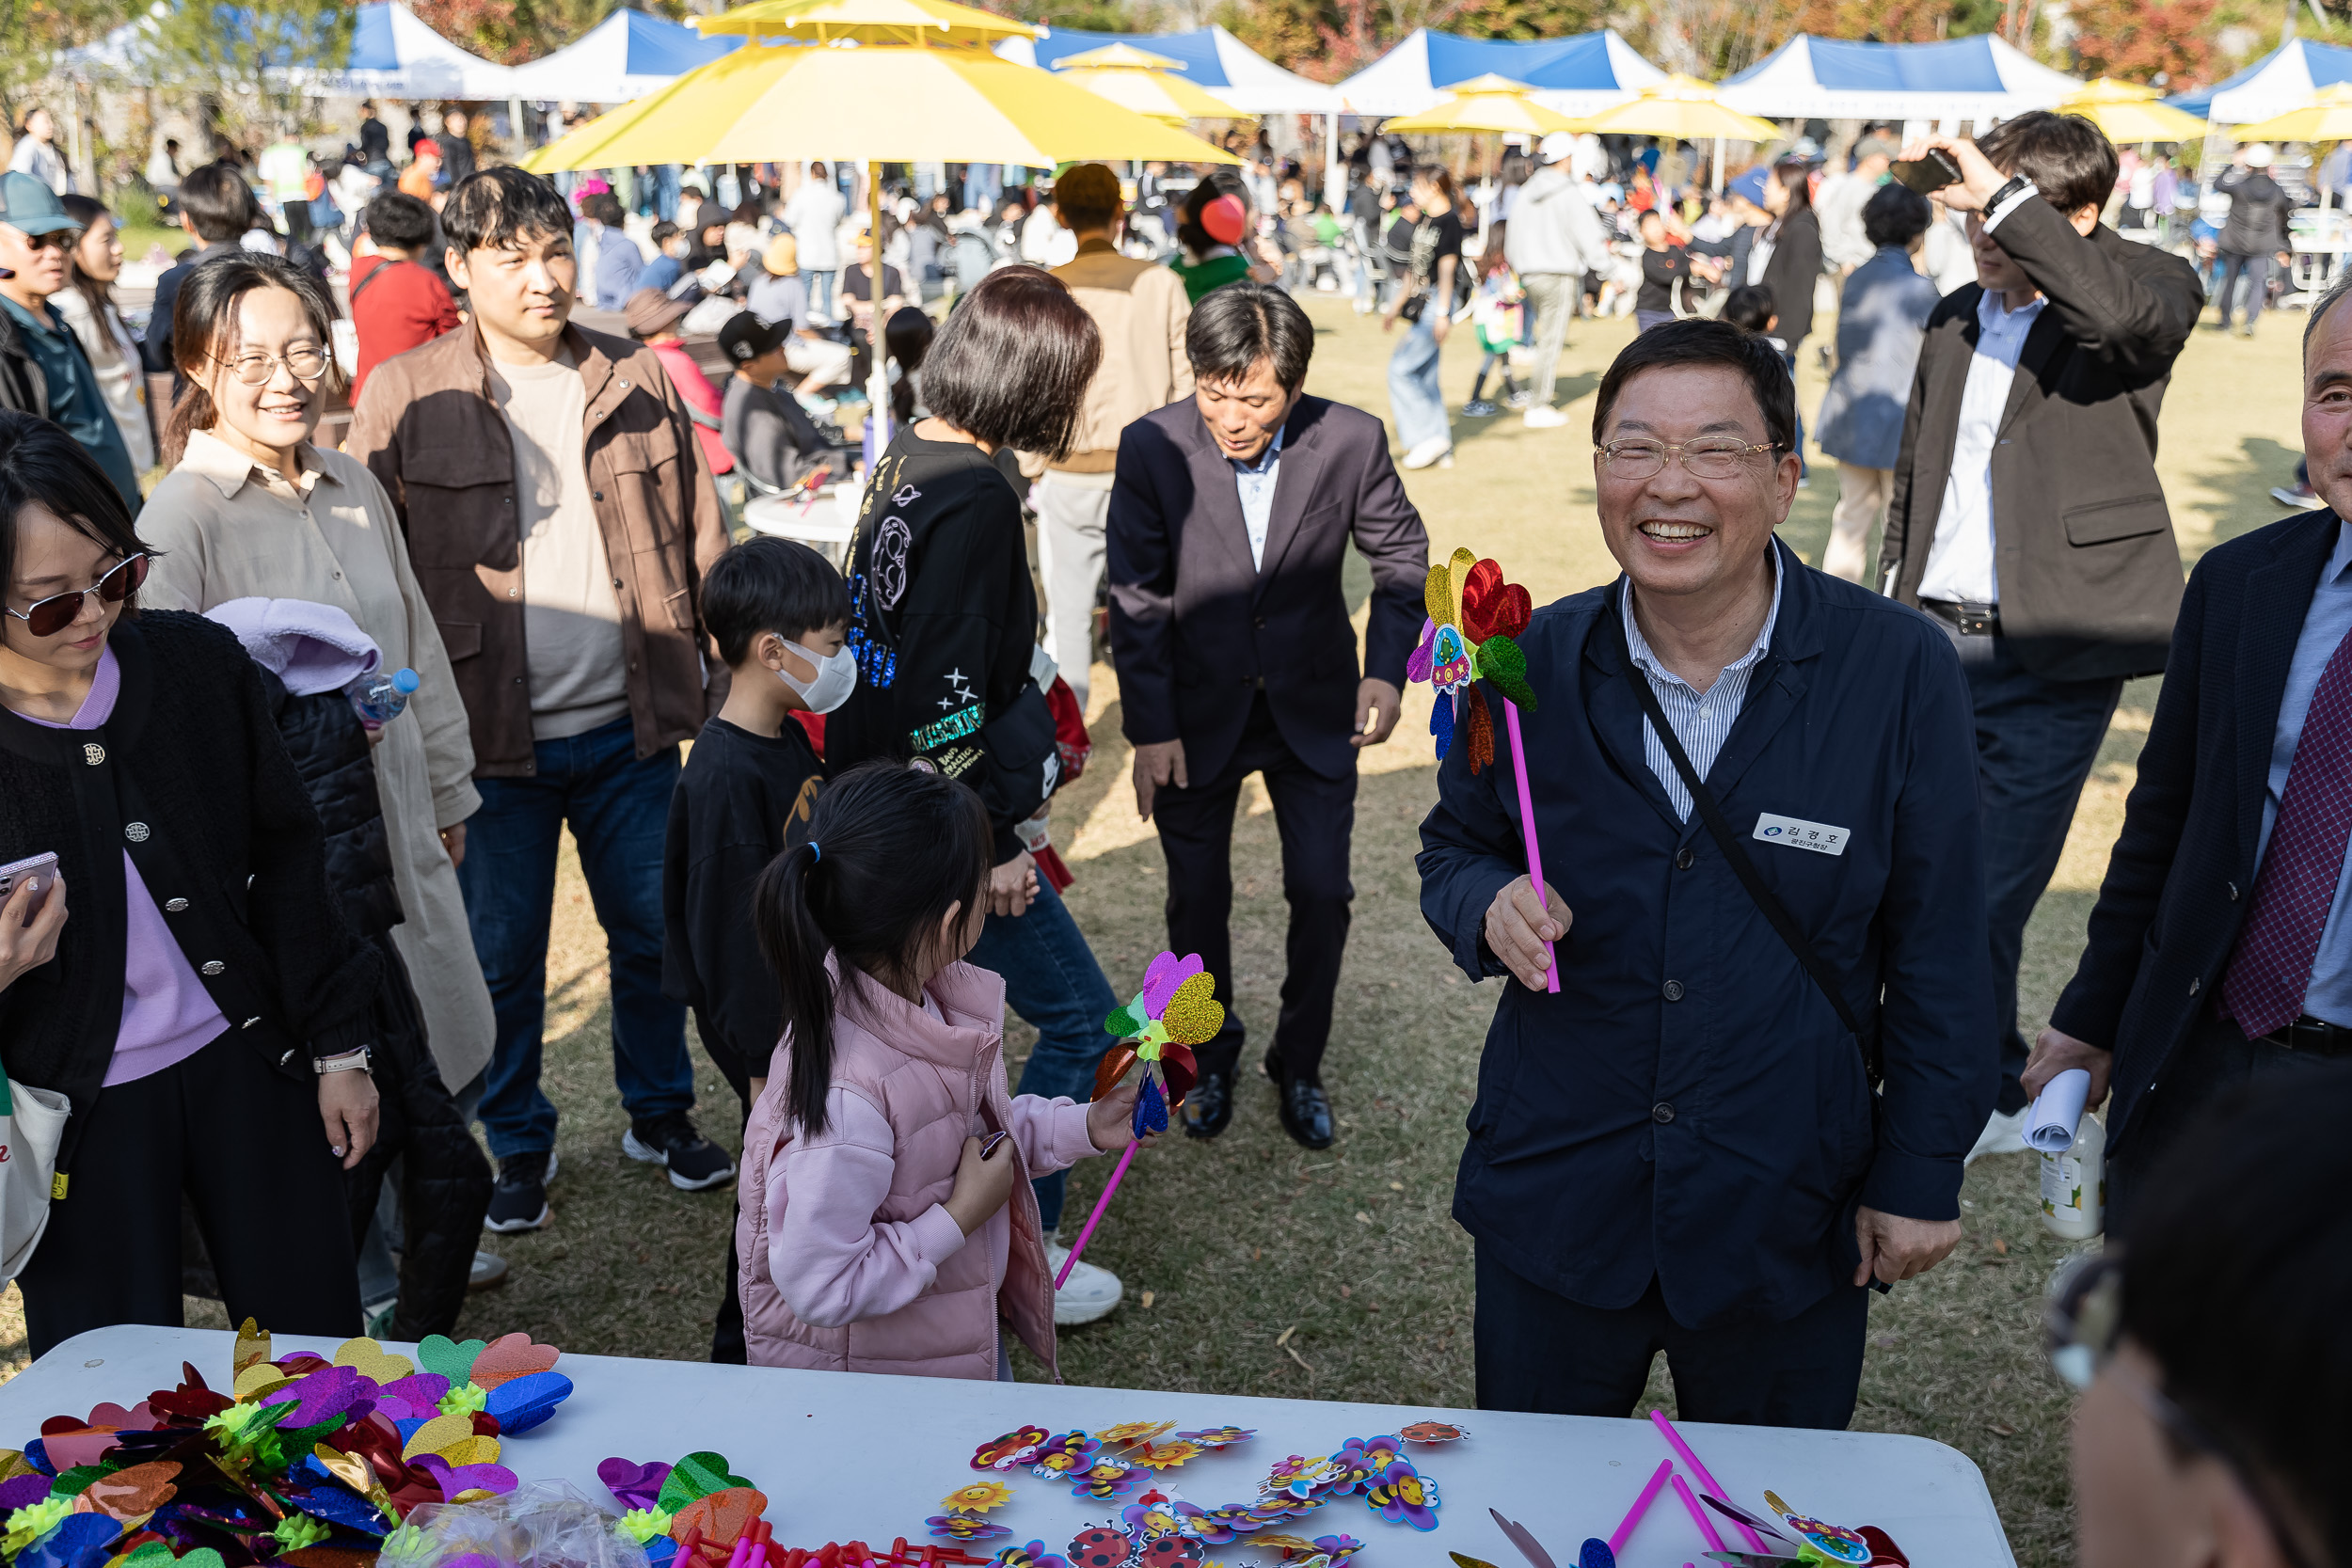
(1680, 1149)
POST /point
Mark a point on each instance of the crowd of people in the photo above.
(1754, 1024)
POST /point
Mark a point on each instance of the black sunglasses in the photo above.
(2085, 1323)
(52, 616)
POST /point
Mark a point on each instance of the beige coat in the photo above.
(1141, 310)
(227, 530)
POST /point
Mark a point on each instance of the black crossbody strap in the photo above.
(1728, 842)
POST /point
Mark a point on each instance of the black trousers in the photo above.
(245, 1147)
(1315, 818)
(1540, 1352)
(728, 1344)
(2215, 1060)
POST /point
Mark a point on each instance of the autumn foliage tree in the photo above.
(2137, 39)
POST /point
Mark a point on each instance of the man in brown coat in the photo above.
(1141, 310)
(559, 516)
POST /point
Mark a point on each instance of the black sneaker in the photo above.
(520, 1201)
(695, 1163)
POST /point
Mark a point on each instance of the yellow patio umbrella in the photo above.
(1489, 103)
(1683, 108)
(875, 82)
(2130, 113)
(2327, 118)
(1144, 82)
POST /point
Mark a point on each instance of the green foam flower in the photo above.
(247, 1435)
(464, 1399)
(406, 1545)
(644, 1523)
(30, 1524)
(297, 1530)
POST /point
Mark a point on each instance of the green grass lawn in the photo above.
(1253, 1267)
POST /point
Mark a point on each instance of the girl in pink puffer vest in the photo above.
(887, 1223)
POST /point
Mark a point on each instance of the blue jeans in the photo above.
(1052, 980)
(1414, 399)
(668, 179)
(2036, 741)
(617, 805)
(2230, 268)
(820, 292)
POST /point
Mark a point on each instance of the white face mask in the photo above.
(837, 677)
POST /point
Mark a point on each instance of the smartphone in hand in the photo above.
(40, 873)
(1927, 175)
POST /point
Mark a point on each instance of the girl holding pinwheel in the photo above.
(887, 1222)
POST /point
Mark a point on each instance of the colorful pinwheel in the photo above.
(1474, 619)
(1176, 1009)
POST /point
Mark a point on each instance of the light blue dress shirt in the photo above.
(2325, 626)
(1255, 481)
(1702, 720)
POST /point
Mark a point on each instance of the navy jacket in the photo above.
(2181, 875)
(1721, 1140)
(1196, 628)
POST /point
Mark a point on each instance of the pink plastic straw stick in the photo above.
(1527, 828)
(1691, 1463)
(1698, 1515)
(1641, 1505)
(1096, 1218)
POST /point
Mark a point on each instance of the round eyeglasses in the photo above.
(47, 617)
(1710, 457)
(307, 361)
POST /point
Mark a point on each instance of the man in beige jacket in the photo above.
(1140, 309)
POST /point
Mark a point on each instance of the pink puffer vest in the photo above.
(928, 1079)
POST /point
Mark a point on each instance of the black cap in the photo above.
(745, 337)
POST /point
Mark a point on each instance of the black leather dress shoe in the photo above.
(1210, 1105)
(1305, 1107)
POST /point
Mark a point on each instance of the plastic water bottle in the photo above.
(2074, 1184)
(380, 695)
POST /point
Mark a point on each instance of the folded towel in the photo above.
(311, 647)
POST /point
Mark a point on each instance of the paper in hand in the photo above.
(2055, 1114)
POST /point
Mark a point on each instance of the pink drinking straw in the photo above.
(1698, 1515)
(1095, 1219)
(1640, 1506)
(1691, 1463)
(1534, 855)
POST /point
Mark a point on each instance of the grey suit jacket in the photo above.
(2089, 573)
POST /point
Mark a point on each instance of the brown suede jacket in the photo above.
(427, 427)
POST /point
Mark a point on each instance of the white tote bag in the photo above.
(31, 1123)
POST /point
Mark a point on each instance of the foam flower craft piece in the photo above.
(1218, 1437)
(1126, 1435)
(977, 1497)
(1018, 1446)
(1071, 1451)
(1106, 1481)
(1403, 1495)
(1475, 619)
(1033, 1555)
(964, 1527)
(1166, 1456)
(1176, 1009)
(644, 1523)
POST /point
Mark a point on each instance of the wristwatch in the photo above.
(2017, 182)
(350, 1061)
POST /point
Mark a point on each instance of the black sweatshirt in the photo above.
(742, 799)
(943, 616)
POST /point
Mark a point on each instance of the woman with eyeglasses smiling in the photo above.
(198, 1000)
(2213, 1346)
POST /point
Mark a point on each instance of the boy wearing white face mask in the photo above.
(779, 613)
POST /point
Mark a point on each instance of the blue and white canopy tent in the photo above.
(2284, 79)
(1979, 79)
(629, 53)
(1578, 76)
(1212, 58)
(392, 54)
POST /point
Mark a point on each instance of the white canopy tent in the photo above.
(2280, 80)
(1980, 78)
(1212, 59)
(1578, 75)
(629, 53)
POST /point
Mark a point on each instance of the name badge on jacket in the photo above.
(1819, 837)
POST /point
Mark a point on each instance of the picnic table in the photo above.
(850, 1456)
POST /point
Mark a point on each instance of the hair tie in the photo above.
(815, 851)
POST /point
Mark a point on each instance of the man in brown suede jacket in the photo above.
(559, 516)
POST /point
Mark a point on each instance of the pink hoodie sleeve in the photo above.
(834, 1265)
(1052, 1134)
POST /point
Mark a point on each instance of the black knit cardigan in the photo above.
(188, 775)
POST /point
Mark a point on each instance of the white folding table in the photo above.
(848, 1456)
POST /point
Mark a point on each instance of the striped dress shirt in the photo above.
(1702, 720)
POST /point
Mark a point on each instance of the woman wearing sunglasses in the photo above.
(2214, 1349)
(201, 1004)
(251, 509)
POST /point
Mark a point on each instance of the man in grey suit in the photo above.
(2027, 515)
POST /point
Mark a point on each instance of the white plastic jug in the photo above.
(2074, 1184)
